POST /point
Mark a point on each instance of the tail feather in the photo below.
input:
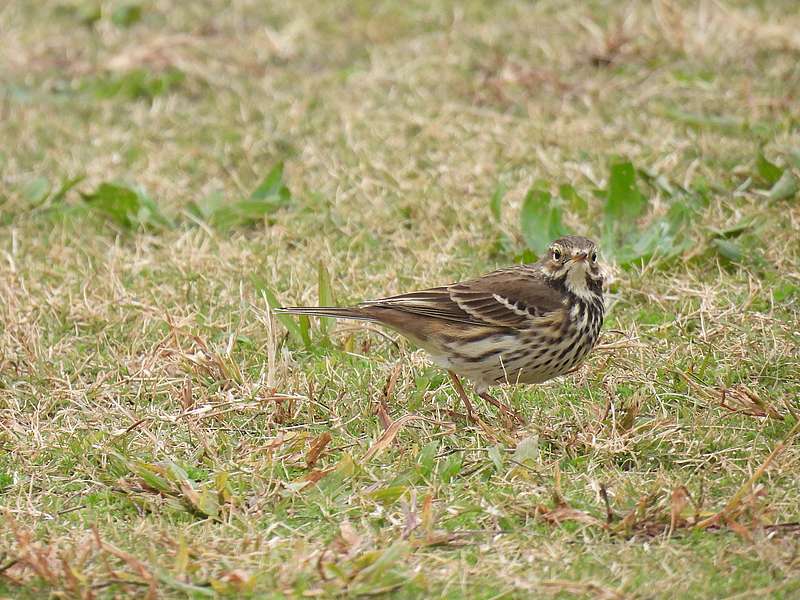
(326, 311)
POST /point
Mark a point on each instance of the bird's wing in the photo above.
(512, 297)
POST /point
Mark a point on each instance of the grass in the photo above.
(161, 435)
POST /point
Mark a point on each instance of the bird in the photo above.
(522, 324)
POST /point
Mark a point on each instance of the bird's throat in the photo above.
(577, 282)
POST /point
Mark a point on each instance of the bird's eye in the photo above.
(556, 254)
(594, 257)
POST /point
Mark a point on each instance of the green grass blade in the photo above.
(288, 321)
(496, 202)
(767, 170)
(785, 188)
(326, 297)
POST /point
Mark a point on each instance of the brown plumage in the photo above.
(521, 324)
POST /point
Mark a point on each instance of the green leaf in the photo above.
(450, 468)
(624, 202)
(785, 291)
(502, 246)
(305, 330)
(149, 213)
(526, 256)
(736, 230)
(89, 12)
(658, 181)
(427, 458)
(272, 187)
(136, 84)
(658, 239)
(223, 487)
(205, 208)
(574, 200)
(126, 207)
(241, 214)
(192, 591)
(768, 171)
(207, 502)
(496, 456)
(66, 186)
(728, 250)
(664, 238)
(119, 203)
(376, 563)
(527, 451)
(175, 472)
(540, 220)
(786, 187)
(794, 157)
(271, 195)
(126, 15)
(36, 191)
(722, 123)
(288, 321)
(388, 495)
(496, 203)
(150, 474)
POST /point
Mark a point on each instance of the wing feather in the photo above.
(515, 297)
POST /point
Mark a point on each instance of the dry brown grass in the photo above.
(161, 436)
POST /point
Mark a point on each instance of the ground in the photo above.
(168, 170)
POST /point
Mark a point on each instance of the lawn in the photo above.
(169, 170)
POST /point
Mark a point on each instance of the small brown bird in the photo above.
(522, 324)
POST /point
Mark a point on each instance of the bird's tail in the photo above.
(352, 312)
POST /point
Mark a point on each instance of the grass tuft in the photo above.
(162, 434)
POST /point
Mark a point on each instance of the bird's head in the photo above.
(573, 260)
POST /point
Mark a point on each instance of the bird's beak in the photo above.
(580, 257)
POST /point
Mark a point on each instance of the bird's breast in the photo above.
(550, 347)
(543, 355)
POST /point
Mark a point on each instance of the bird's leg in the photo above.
(504, 408)
(463, 395)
